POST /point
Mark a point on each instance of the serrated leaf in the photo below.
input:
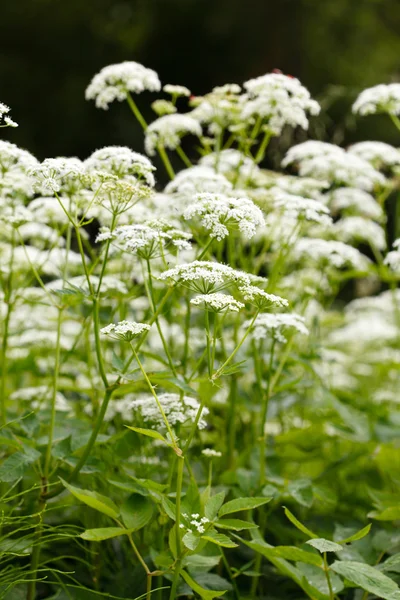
(149, 432)
(299, 525)
(14, 466)
(94, 500)
(356, 536)
(366, 577)
(242, 504)
(219, 539)
(203, 593)
(235, 524)
(103, 533)
(323, 545)
(136, 511)
(191, 541)
(213, 505)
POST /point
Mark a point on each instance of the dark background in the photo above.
(50, 49)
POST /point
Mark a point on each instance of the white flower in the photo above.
(220, 109)
(122, 162)
(58, 175)
(358, 229)
(353, 201)
(333, 164)
(392, 259)
(125, 330)
(377, 99)
(218, 302)
(218, 213)
(194, 180)
(280, 100)
(178, 409)
(207, 276)
(301, 208)
(274, 325)
(378, 154)
(14, 158)
(307, 187)
(231, 161)
(261, 299)
(5, 119)
(337, 254)
(168, 130)
(210, 453)
(114, 82)
(176, 90)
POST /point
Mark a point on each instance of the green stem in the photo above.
(179, 481)
(264, 412)
(263, 146)
(205, 249)
(136, 111)
(328, 579)
(185, 159)
(4, 343)
(395, 120)
(166, 161)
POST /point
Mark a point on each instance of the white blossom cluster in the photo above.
(198, 179)
(379, 154)
(177, 409)
(274, 325)
(168, 130)
(219, 213)
(352, 201)
(378, 99)
(330, 252)
(58, 175)
(218, 302)
(114, 82)
(195, 520)
(261, 299)
(360, 230)
(211, 453)
(279, 100)
(301, 208)
(125, 330)
(392, 259)
(5, 119)
(121, 162)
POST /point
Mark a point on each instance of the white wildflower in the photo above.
(210, 453)
(14, 158)
(301, 208)
(352, 201)
(5, 119)
(360, 230)
(176, 90)
(125, 330)
(392, 259)
(261, 299)
(196, 180)
(178, 409)
(307, 187)
(218, 302)
(60, 175)
(114, 82)
(380, 98)
(218, 213)
(168, 130)
(280, 100)
(379, 154)
(274, 325)
(331, 252)
(122, 162)
(231, 161)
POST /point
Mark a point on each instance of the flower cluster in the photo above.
(168, 130)
(125, 330)
(218, 302)
(5, 119)
(378, 99)
(177, 409)
(274, 325)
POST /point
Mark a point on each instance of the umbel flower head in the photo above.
(5, 119)
(121, 162)
(218, 302)
(116, 81)
(383, 98)
(378, 154)
(301, 208)
(274, 325)
(392, 259)
(219, 213)
(168, 130)
(58, 175)
(177, 409)
(125, 330)
(256, 296)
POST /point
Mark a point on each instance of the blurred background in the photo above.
(50, 49)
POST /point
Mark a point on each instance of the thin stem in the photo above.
(328, 579)
(264, 412)
(263, 146)
(208, 335)
(185, 159)
(167, 164)
(160, 408)
(136, 111)
(205, 249)
(231, 577)
(4, 343)
(395, 120)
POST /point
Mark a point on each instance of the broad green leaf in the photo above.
(172, 541)
(149, 432)
(315, 577)
(191, 541)
(169, 507)
(323, 545)
(242, 504)
(391, 564)
(235, 524)
(136, 511)
(219, 539)
(392, 513)
(213, 505)
(103, 533)
(302, 491)
(213, 582)
(368, 578)
(356, 536)
(14, 466)
(203, 593)
(199, 561)
(294, 554)
(94, 500)
(299, 525)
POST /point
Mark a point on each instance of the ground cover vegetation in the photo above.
(199, 384)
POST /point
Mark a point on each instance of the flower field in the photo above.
(199, 382)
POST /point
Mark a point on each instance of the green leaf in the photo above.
(213, 505)
(149, 432)
(302, 491)
(235, 524)
(169, 507)
(14, 466)
(392, 513)
(203, 593)
(94, 500)
(219, 539)
(103, 533)
(315, 577)
(323, 545)
(294, 554)
(391, 564)
(356, 536)
(299, 525)
(242, 504)
(368, 578)
(136, 511)
(191, 541)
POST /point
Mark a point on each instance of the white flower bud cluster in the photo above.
(178, 409)
(219, 213)
(5, 119)
(176, 90)
(198, 179)
(378, 154)
(168, 130)
(114, 82)
(360, 230)
(125, 330)
(121, 162)
(274, 325)
(218, 302)
(380, 98)
(301, 208)
(331, 252)
(261, 299)
(195, 520)
(392, 259)
(351, 201)
(211, 453)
